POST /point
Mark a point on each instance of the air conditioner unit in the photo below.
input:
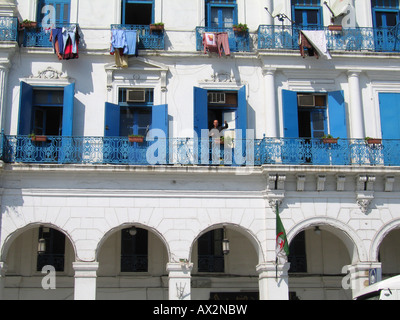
(216, 97)
(136, 95)
(306, 100)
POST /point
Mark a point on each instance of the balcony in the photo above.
(187, 151)
(357, 39)
(40, 37)
(238, 42)
(148, 40)
(8, 28)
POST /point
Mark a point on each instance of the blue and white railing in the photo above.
(187, 151)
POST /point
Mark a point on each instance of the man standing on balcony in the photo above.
(215, 131)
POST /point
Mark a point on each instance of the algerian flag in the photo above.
(282, 246)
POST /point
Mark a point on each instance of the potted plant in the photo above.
(158, 27)
(135, 138)
(370, 140)
(37, 138)
(28, 24)
(329, 139)
(240, 28)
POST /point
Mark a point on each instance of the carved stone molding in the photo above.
(50, 74)
(221, 76)
(364, 200)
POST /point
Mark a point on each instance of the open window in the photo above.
(138, 12)
(46, 110)
(311, 115)
(221, 105)
(134, 116)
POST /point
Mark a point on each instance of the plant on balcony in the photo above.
(329, 139)
(28, 24)
(240, 28)
(37, 138)
(370, 140)
(158, 27)
(135, 138)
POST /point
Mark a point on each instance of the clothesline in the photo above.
(216, 42)
(65, 42)
(124, 43)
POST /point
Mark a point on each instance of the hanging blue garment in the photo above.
(131, 39)
(118, 41)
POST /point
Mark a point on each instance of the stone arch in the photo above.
(346, 234)
(379, 236)
(127, 225)
(244, 231)
(15, 234)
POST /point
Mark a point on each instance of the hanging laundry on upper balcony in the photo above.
(315, 43)
(216, 42)
(123, 44)
(65, 42)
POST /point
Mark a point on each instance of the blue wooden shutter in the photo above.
(68, 110)
(389, 104)
(337, 114)
(160, 118)
(290, 114)
(25, 109)
(241, 116)
(112, 120)
(200, 110)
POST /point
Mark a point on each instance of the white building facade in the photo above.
(150, 220)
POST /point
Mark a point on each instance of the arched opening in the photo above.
(225, 271)
(33, 270)
(389, 254)
(317, 257)
(132, 265)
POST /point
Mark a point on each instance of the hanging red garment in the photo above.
(223, 43)
(210, 42)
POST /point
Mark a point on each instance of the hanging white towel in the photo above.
(318, 40)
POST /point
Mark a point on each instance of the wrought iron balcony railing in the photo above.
(352, 39)
(187, 151)
(8, 28)
(148, 40)
(40, 36)
(238, 42)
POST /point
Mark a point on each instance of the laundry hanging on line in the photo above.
(124, 43)
(216, 42)
(65, 42)
(315, 42)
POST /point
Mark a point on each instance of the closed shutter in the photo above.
(68, 110)
(200, 110)
(160, 118)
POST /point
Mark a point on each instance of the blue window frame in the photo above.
(138, 12)
(307, 13)
(62, 10)
(386, 15)
(42, 109)
(221, 13)
(127, 118)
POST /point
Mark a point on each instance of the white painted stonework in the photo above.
(356, 208)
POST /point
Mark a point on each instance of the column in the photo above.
(271, 130)
(270, 6)
(179, 280)
(3, 270)
(357, 277)
(356, 108)
(85, 280)
(3, 92)
(273, 281)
